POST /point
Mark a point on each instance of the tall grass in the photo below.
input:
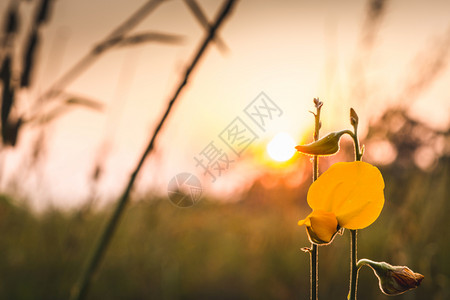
(242, 250)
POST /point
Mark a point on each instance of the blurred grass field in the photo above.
(248, 249)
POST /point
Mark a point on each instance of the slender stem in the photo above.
(353, 265)
(314, 267)
(82, 287)
(314, 247)
(314, 272)
(353, 240)
(358, 154)
(314, 259)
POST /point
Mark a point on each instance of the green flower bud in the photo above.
(327, 145)
(353, 117)
(393, 280)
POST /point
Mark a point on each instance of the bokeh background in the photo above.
(78, 111)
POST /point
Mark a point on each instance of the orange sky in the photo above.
(292, 50)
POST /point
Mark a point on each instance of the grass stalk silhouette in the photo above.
(86, 61)
(81, 289)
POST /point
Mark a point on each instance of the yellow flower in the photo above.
(348, 195)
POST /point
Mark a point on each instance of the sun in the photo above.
(281, 147)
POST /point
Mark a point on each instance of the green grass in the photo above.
(244, 250)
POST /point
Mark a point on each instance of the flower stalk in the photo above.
(314, 254)
(353, 265)
(354, 120)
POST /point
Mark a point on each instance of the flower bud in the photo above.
(353, 117)
(393, 280)
(317, 103)
(327, 145)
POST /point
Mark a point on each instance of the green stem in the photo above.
(314, 267)
(353, 265)
(314, 272)
(353, 240)
(358, 154)
(365, 261)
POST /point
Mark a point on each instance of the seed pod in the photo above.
(393, 280)
(327, 145)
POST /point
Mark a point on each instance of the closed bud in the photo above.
(327, 145)
(393, 280)
(354, 119)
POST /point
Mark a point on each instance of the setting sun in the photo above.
(281, 147)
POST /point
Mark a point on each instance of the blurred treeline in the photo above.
(249, 249)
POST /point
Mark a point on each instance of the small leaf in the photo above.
(138, 38)
(306, 249)
(85, 102)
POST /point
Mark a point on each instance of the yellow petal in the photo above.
(353, 191)
(321, 226)
(306, 221)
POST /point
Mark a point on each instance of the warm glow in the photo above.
(281, 147)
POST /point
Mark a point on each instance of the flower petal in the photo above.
(321, 226)
(353, 191)
(306, 221)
